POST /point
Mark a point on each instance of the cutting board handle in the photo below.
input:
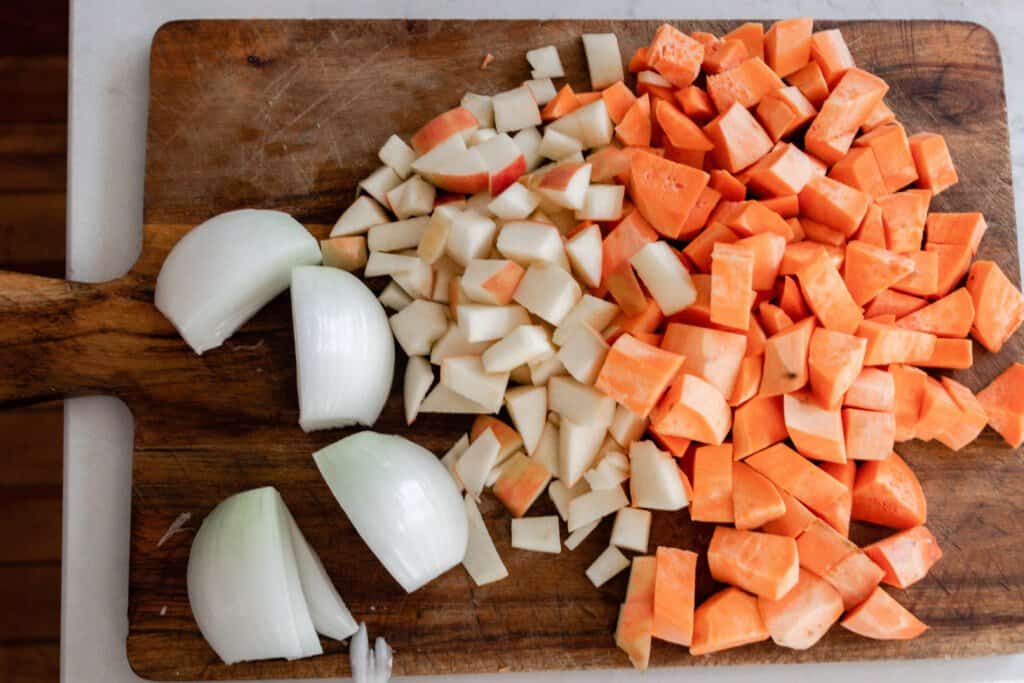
(60, 338)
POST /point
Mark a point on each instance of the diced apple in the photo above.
(453, 343)
(545, 63)
(359, 217)
(632, 529)
(573, 540)
(579, 444)
(654, 481)
(585, 252)
(539, 534)
(414, 197)
(509, 438)
(609, 564)
(528, 407)
(491, 281)
(605, 475)
(580, 403)
(590, 124)
(486, 323)
(347, 252)
(542, 89)
(504, 161)
(524, 344)
(583, 353)
(595, 505)
(442, 284)
(458, 121)
(450, 458)
(417, 281)
(480, 136)
(398, 155)
(441, 399)
(476, 463)
(590, 310)
(478, 203)
(482, 561)
(665, 277)
(562, 495)
(466, 375)
(470, 236)
(399, 235)
(602, 203)
(528, 242)
(627, 426)
(556, 145)
(528, 140)
(652, 79)
(416, 384)
(543, 370)
(379, 183)
(566, 185)
(435, 237)
(548, 292)
(603, 59)
(394, 297)
(454, 167)
(546, 452)
(418, 326)
(520, 483)
(608, 163)
(481, 108)
(515, 110)
(516, 203)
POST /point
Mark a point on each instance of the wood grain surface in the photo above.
(33, 135)
(289, 115)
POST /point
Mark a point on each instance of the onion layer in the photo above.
(226, 269)
(252, 578)
(401, 500)
(344, 350)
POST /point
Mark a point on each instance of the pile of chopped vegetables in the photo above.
(720, 289)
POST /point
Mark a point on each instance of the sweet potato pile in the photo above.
(728, 271)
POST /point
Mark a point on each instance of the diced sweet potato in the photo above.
(738, 138)
(785, 359)
(816, 432)
(870, 435)
(935, 168)
(636, 374)
(712, 484)
(798, 476)
(998, 305)
(665, 192)
(1003, 402)
(905, 557)
(892, 153)
(744, 84)
(827, 296)
(882, 618)
(803, 616)
(888, 493)
(763, 564)
(694, 409)
(755, 500)
(728, 619)
(674, 587)
(834, 362)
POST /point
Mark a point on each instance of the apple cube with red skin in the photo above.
(458, 121)
(491, 281)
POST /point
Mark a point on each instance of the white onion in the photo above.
(226, 269)
(401, 500)
(369, 666)
(251, 579)
(344, 351)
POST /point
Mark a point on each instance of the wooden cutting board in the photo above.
(290, 115)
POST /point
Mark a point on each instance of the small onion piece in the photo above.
(401, 500)
(344, 350)
(256, 588)
(226, 269)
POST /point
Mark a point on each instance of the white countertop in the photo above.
(109, 89)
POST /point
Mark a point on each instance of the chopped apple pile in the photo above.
(660, 287)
